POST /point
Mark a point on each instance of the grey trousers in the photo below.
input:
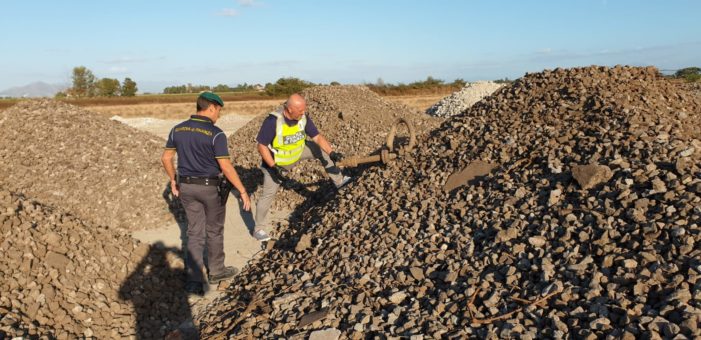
(270, 187)
(205, 228)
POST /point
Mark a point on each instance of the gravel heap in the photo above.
(461, 100)
(587, 226)
(99, 169)
(64, 278)
(354, 119)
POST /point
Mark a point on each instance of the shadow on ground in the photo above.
(156, 291)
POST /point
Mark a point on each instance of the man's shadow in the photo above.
(156, 291)
(176, 208)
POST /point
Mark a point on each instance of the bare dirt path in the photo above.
(239, 246)
(161, 127)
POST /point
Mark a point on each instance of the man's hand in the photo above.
(246, 201)
(174, 188)
(279, 174)
(336, 156)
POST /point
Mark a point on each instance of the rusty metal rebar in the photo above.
(386, 155)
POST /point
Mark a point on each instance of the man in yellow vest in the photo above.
(282, 142)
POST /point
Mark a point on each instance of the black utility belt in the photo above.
(199, 180)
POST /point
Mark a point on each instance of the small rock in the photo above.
(537, 241)
(554, 197)
(417, 273)
(304, 242)
(397, 297)
(590, 175)
(325, 334)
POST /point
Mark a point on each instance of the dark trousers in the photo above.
(205, 228)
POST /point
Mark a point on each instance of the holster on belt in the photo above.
(224, 188)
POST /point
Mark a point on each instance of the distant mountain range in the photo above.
(37, 89)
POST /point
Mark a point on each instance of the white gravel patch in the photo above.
(462, 100)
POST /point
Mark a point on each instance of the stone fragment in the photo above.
(471, 171)
(417, 273)
(590, 175)
(304, 243)
(309, 318)
(554, 197)
(537, 241)
(325, 334)
(56, 260)
(397, 297)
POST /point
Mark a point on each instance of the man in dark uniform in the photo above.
(202, 156)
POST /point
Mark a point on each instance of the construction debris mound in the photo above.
(587, 226)
(64, 278)
(101, 170)
(354, 119)
(461, 100)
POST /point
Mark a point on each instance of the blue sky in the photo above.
(162, 43)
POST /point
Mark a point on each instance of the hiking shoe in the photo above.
(228, 273)
(194, 288)
(261, 235)
(344, 181)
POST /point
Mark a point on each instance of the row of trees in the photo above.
(189, 88)
(288, 85)
(85, 84)
(429, 84)
(282, 87)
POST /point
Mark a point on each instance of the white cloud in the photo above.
(249, 3)
(228, 12)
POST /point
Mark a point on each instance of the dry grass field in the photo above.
(243, 108)
(419, 102)
(184, 110)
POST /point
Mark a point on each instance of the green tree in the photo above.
(505, 80)
(287, 86)
(107, 87)
(129, 88)
(432, 82)
(83, 82)
(175, 89)
(459, 82)
(222, 88)
(244, 88)
(689, 73)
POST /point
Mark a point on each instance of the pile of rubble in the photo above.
(566, 205)
(461, 100)
(99, 169)
(354, 119)
(64, 278)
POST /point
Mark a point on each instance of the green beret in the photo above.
(213, 98)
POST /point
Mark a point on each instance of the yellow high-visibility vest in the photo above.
(288, 145)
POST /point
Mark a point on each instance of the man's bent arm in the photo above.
(167, 160)
(266, 155)
(228, 170)
(323, 143)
